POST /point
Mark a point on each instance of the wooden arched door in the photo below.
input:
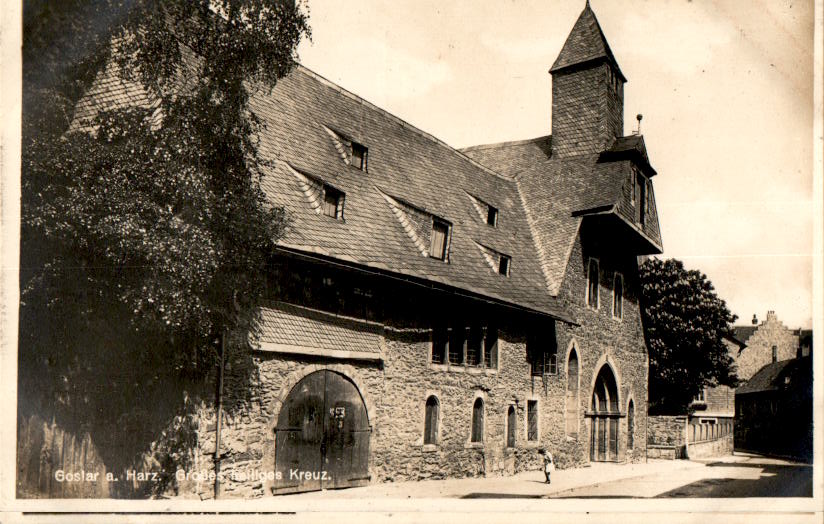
(605, 413)
(322, 435)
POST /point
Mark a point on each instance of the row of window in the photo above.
(473, 346)
(593, 290)
(432, 417)
(477, 347)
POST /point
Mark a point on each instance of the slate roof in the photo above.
(290, 325)
(585, 43)
(771, 376)
(411, 177)
(561, 191)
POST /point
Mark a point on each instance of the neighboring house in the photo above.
(805, 342)
(444, 313)
(767, 342)
(716, 404)
(774, 410)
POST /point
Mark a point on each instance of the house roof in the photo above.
(743, 333)
(411, 178)
(561, 191)
(772, 376)
(630, 147)
(585, 43)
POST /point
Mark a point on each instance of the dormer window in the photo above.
(439, 241)
(492, 216)
(633, 189)
(333, 202)
(360, 155)
(504, 264)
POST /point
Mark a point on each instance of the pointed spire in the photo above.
(586, 42)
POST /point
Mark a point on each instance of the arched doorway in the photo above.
(603, 444)
(322, 435)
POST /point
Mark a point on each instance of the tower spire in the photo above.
(585, 43)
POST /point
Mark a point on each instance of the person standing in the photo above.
(549, 464)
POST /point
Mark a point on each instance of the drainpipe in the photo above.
(219, 410)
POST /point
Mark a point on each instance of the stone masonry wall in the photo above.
(758, 353)
(667, 437)
(395, 393)
(602, 340)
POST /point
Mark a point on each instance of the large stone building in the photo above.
(438, 312)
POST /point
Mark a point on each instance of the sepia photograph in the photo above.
(411, 256)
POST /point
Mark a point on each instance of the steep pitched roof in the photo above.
(557, 193)
(411, 179)
(585, 43)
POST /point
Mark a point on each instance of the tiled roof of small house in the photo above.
(585, 43)
(411, 177)
(285, 326)
(778, 375)
(561, 191)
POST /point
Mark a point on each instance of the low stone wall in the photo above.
(710, 448)
(665, 452)
(666, 437)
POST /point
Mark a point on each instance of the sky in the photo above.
(725, 89)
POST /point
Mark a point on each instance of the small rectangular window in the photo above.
(503, 265)
(492, 216)
(542, 352)
(457, 339)
(359, 156)
(592, 283)
(474, 346)
(332, 202)
(439, 241)
(775, 353)
(633, 195)
(552, 364)
(532, 420)
(491, 348)
(618, 296)
(439, 345)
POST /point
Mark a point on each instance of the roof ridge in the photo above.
(504, 144)
(403, 123)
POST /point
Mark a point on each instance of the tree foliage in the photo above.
(145, 232)
(685, 325)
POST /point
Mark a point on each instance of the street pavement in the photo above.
(743, 475)
(740, 475)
